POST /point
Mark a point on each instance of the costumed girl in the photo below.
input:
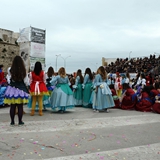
(62, 95)
(3, 84)
(103, 96)
(129, 98)
(155, 93)
(145, 102)
(118, 84)
(114, 95)
(50, 87)
(38, 89)
(87, 88)
(77, 89)
(17, 93)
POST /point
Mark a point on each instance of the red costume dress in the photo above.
(129, 100)
(2, 79)
(38, 86)
(145, 103)
(156, 106)
(115, 98)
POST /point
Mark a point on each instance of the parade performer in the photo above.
(145, 103)
(118, 84)
(114, 95)
(103, 96)
(50, 75)
(129, 98)
(17, 92)
(87, 88)
(62, 95)
(77, 89)
(50, 87)
(156, 106)
(155, 94)
(3, 84)
(38, 88)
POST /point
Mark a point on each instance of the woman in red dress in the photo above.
(145, 102)
(129, 98)
(156, 95)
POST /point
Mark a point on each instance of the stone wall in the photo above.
(9, 47)
(8, 36)
(7, 54)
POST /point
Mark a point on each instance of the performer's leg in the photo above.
(40, 103)
(34, 99)
(12, 113)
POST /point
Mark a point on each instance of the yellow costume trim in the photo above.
(15, 101)
(41, 94)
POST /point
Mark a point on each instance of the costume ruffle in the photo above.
(14, 95)
(12, 92)
(41, 93)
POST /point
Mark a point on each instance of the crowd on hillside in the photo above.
(134, 65)
(99, 91)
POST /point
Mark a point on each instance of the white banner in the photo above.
(37, 50)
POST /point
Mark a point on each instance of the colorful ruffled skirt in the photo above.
(62, 97)
(15, 96)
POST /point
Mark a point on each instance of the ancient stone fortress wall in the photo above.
(9, 47)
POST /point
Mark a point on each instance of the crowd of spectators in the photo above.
(135, 65)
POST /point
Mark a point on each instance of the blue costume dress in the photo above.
(103, 96)
(77, 94)
(50, 87)
(3, 84)
(62, 95)
(2, 92)
(87, 91)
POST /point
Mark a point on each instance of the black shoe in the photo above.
(44, 109)
(21, 123)
(12, 124)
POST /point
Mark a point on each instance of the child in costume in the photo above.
(114, 95)
(145, 102)
(129, 98)
(3, 84)
(118, 84)
(103, 96)
(17, 93)
(50, 87)
(50, 75)
(87, 88)
(38, 87)
(77, 89)
(62, 95)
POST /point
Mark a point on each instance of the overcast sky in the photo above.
(88, 30)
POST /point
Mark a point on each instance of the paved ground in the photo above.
(81, 134)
